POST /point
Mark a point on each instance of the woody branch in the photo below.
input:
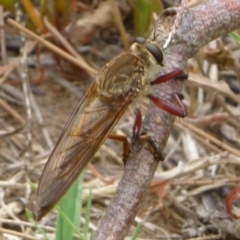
(200, 25)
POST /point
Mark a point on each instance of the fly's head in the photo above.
(150, 55)
(148, 52)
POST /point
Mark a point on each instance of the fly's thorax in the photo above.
(130, 72)
(123, 75)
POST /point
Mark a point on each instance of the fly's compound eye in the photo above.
(140, 40)
(156, 52)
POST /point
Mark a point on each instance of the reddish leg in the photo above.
(177, 110)
(145, 137)
(136, 128)
(137, 124)
(178, 98)
(126, 145)
(167, 77)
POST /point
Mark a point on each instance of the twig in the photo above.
(199, 25)
(176, 23)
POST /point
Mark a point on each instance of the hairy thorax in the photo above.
(128, 73)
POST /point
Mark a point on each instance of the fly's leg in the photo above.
(175, 109)
(126, 145)
(137, 125)
(137, 137)
(144, 137)
(177, 74)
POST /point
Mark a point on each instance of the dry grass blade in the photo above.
(207, 136)
(191, 167)
(219, 86)
(40, 120)
(18, 234)
(27, 224)
(59, 37)
(119, 23)
(6, 70)
(14, 113)
(57, 50)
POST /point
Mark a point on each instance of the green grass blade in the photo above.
(33, 186)
(137, 231)
(235, 36)
(69, 212)
(66, 222)
(30, 219)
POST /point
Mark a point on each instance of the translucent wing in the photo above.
(91, 122)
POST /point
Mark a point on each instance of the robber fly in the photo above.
(117, 84)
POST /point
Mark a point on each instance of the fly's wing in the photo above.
(87, 128)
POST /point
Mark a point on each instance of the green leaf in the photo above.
(69, 212)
